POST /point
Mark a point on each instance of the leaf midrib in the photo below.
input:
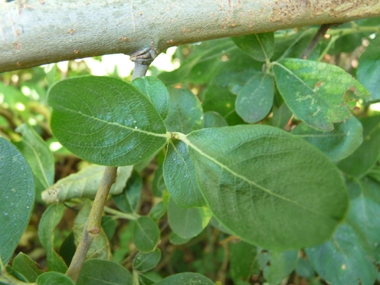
(187, 141)
(166, 135)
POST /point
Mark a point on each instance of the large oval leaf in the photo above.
(267, 186)
(16, 198)
(105, 120)
(316, 92)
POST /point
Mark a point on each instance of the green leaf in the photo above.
(54, 278)
(180, 176)
(50, 70)
(239, 80)
(146, 234)
(337, 144)
(156, 91)
(259, 46)
(146, 261)
(158, 211)
(202, 64)
(214, 120)
(322, 87)
(304, 268)
(255, 99)
(37, 154)
(277, 265)
(281, 116)
(84, 184)
(68, 248)
(27, 267)
(16, 198)
(105, 120)
(344, 259)
(109, 226)
(364, 212)
(185, 113)
(100, 246)
(243, 260)
(158, 186)
(246, 174)
(369, 68)
(364, 157)
(11, 271)
(186, 279)
(49, 220)
(217, 96)
(128, 201)
(187, 223)
(104, 272)
(176, 239)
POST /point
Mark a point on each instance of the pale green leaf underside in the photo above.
(105, 120)
(180, 177)
(267, 186)
(315, 91)
(16, 198)
(84, 184)
(187, 223)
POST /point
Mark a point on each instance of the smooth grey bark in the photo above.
(35, 32)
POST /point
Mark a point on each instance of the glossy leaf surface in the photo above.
(146, 261)
(259, 46)
(246, 176)
(180, 177)
(156, 91)
(321, 87)
(336, 144)
(85, 184)
(255, 99)
(105, 120)
(185, 113)
(16, 198)
(146, 234)
(104, 272)
(186, 279)
(187, 223)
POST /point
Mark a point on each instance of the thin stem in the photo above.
(140, 70)
(315, 40)
(121, 215)
(333, 39)
(93, 225)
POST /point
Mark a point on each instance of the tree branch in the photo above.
(41, 32)
(93, 225)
